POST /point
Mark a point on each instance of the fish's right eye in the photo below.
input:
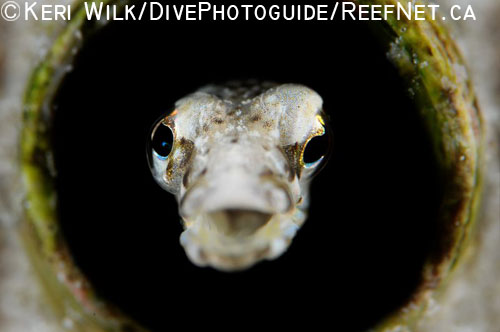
(162, 141)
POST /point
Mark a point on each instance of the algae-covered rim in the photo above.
(425, 55)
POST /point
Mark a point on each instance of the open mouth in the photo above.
(234, 239)
(234, 219)
(237, 223)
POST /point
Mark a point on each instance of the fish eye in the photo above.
(316, 149)
(162, 141)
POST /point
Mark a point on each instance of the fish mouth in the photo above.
(237, 223)
(240, 210)
(235, 239)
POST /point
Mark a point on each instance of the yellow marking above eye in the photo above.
(320, 132)
(320, 119)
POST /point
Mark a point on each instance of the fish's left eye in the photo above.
(162, 141)
(316, 149)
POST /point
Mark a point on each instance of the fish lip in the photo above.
(234, 253)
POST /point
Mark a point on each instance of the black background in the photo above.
(358, 256)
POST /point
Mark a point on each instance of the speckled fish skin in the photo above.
(237, 172)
